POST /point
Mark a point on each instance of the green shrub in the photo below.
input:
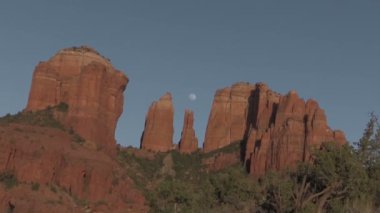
(233, 147)
(62, 107)
(53, 189)
(187, 166)
(148, 168)
(35, 186)
(80, 202)
(42, 118)
(8, 179)
(78, 139)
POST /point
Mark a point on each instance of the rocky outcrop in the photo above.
(65, 171)
(89, 85)
(159, 130)
(228, 117)
(279, 130)
(189, 141)
(296, 128)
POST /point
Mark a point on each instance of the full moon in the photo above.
(192, 97)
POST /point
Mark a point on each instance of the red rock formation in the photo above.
(159, 130)
(228, 118)
(189, 141)
(49, 157)
(280, 130)
(89, 84)
(295, 128)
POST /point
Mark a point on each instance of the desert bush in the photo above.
(35, 186)
(8, 179)
(42, 118)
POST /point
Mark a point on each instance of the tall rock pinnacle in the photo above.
(189, 141)
(159, 130)
(89, 85)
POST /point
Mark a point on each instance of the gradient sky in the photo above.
(327, 50)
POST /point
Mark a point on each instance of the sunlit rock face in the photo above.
(91, 87)
(159, 129)
(50, 158)
(189, 141)
(279, 130)
(228, 117)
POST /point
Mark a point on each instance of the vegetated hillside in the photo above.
(47, 168)
(339, 180)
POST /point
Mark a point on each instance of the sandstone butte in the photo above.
(279, 130)
(91, 87)
(189, 141)
(159, 130)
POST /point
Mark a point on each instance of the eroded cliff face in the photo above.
(159, 129)
(228, 117)
(189, 141)
(89, 84)
(66, 172)
(280, 130)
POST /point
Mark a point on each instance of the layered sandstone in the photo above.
(91, 87)
(66, 172)
(228, 117)
(279, 130)
(189, 141)
(296, 128)
(159, 130)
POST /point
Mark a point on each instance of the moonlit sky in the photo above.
(328, 50)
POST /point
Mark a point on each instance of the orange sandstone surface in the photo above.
(279, 130)
(159, 129)
(91, 87)
(189, 141)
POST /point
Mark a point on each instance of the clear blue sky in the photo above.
(328, 50)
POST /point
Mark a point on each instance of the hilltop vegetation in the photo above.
(341, 179)
(48, 167)
(44, 118)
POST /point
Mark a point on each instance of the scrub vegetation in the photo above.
(340, 179)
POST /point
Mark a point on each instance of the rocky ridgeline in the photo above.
(279, 130)
(266, 130)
